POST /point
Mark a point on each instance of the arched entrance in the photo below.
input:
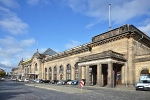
(61, 72)
(50, 73)
(55, 73)
(68, 71)
(144, 75)
(45, 73)
(36, 71)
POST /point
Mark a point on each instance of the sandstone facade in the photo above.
(112, 58)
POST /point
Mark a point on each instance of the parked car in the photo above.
(13, 79)
(20, 80)
(45, 81)
(61, 82)
(2, 79)
(75, 82)
(143, 85)
(69, 82)
(54, 81)
(26, 80)
(38, 81)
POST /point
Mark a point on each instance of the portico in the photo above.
(102, 69)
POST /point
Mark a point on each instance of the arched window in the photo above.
(61, 69)
(68, 71)
(36, 69)
(45, 73)
(55, 73)
(30, 69)
(50, 73)
(27, 70)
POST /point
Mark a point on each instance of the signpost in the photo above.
(82, 84)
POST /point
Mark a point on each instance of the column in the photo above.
(73, 73)
(123, 74)
(87, 75)
(58, 75)
(99, 74)
(43, 70)
(110, 78)
(64, 75)
(52, 73)
(47, 73)
(79, 73)
(83, 72)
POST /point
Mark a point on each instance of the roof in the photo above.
(26, 60)
(49, 52)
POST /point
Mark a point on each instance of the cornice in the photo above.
(103, 55)
(142, 59)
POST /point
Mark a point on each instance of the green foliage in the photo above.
(2, 73)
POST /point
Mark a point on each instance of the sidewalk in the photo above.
(61, 88)
(77, 89)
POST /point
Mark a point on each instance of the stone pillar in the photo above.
(73, 73)
(79, 73)
(123, 74)
(58, 75)
(64, 75)
(110, 78)
(83, 72)
(99, 74)
(130, 61)
(126, 74)
(87, 75)
(47, 73)
(43, 71)
(52, 73)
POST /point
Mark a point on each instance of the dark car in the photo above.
(65, 81)
(54, 81)
(75, 82)
(45, 81)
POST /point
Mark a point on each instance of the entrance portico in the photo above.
(103, 69)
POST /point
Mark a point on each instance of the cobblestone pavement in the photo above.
(98, 93)
(10, 90)
(77, 89)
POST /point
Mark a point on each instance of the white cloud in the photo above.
(9, 3)
(121, 11)
(38, 2)
(12, 51)
(27, 42)
(11, 23)
(72, 44)
(145, 29)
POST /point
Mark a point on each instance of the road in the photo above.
(10, 90)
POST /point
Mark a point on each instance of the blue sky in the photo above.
(61, 24)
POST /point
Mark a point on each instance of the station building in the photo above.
(117, 57)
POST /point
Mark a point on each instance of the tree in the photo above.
(2, 73)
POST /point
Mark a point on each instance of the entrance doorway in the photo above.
(117, 68)
(93, 75)
(104, 73)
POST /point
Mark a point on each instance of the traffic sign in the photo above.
(82, 83)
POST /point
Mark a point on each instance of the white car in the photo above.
(26, 80)
(69, 82)
(143, 85)
(20, 80)
(2, 79)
